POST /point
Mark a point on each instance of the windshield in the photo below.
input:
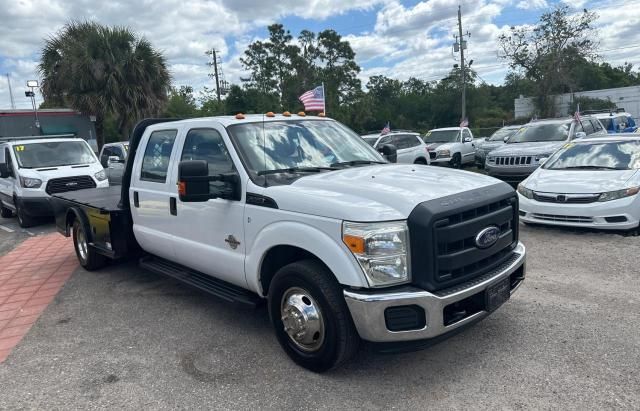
(541, 132)
(370, 140)
(442, 136)
(53, 154)
(607, 156)
(281, 145)
(502, 133)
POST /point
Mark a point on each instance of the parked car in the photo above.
(451, 146)
(410, 147)
(617, 121)
(587, 183)
(496, 140)
(516, 160)
(34, 168)
(113, 157)
(301, 213)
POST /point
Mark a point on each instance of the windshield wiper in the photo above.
(296, 170)
(590, 168)
(355, 163)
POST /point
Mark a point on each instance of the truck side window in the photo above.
(207, 144)
(157, 155)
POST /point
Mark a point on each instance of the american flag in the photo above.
(313, 100)
(386, 129)
(576, 116)
(464, 123)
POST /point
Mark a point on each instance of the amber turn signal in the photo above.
(355, 244)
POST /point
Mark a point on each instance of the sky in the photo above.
(395, 38)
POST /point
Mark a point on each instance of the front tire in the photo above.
(456, 161)
(421, 161)
(310, 316)
(5, 212)
(24, 220)
(89, 259)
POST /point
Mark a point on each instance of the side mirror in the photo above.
(581, 134)
(194, 178)
(389, 152)
(4, 170)
(467, 139)
(506, 139)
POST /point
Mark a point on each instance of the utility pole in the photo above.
(13, 103)
(460, 45)
(221, 85)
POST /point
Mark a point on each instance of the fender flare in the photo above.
(83, 220)
(334, 255)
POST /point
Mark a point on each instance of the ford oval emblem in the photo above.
(487, 236)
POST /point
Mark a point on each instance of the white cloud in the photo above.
(405, 40)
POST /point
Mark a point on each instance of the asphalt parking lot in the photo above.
(124, 338)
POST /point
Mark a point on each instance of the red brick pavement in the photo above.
(30, 277)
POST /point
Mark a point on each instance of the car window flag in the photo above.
(313, 100)
(464, 122)
(386, 129)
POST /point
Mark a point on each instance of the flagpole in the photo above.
(324, 100)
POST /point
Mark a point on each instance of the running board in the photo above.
(206, 283)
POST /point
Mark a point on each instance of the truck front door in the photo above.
(468, 148)
(209, 236)
(7, 184)
(152, 204)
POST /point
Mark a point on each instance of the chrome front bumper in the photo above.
(368, 309)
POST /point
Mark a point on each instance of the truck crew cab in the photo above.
(301, 212)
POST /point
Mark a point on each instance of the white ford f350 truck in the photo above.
(301, 213)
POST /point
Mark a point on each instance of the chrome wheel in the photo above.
(81, 240)
(302, 319)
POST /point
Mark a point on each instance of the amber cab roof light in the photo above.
(239, 116)
(270, 114)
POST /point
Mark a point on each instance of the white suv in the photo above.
(452, 146)
(410, 147)
(33, 168)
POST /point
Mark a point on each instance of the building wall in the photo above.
(624, 97)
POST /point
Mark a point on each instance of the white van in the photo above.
(33, 168)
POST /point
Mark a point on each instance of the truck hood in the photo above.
(579, 181)
(489, 145)
(440, 146)
(528, 149)
(373, 193)
(47, 173)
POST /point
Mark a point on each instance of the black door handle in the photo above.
(173, 208)
(136, 201)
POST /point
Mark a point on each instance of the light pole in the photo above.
(33, 84)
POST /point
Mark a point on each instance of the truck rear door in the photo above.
(209, 236)
(151, 196)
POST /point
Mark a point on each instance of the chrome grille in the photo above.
(514, 161)
(565, 198)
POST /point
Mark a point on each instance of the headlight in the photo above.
(444, 153)
(490, 159)
(27, 182)
(382, 250)
(101, 175)
(618, 194)
(525, 191)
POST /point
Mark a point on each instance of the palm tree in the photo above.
(104, 71)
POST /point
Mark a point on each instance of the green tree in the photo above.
(548, 53)
(181, 103)
(104, 71)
